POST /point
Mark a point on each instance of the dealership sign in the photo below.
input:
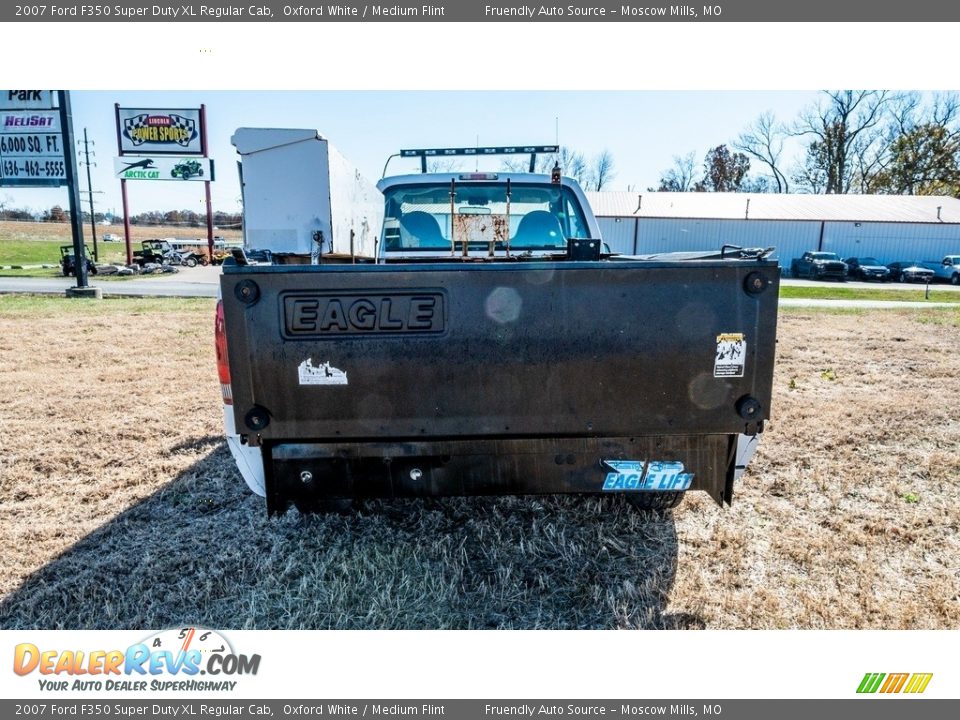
(163, 168)
(150, 131)
(31, 142)
(26, 99)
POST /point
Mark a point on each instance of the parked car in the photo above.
(110, 237)
(947, 269)
(866, 268)
(819, 265)
(904, 271)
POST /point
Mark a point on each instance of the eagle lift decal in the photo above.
(638, 475)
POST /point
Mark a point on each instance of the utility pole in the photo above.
(93, 217)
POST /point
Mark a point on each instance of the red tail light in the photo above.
(223, 367)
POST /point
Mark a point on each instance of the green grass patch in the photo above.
(29, 252)
(36, 252)
(935, 316)
(32, 272)
(41, 306)
(848, 293)
(947, 317)
(57, 273)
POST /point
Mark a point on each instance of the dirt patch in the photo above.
(121, 507)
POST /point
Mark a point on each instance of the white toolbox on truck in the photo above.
(302, 198)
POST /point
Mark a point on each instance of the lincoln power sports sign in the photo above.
(150, 131)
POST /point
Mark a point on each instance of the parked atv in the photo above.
(188, 258)
(68, 264)
(154, 251)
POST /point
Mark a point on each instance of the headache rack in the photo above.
(425, 153)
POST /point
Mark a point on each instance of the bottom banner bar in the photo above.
(868, 709)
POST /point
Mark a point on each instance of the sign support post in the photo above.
(126, 221)
(123, 193)
(73, 187)
(206, 184)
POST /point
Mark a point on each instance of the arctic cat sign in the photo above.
(150, 131)
(163, 168)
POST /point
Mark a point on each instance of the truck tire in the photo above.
(955, 279)
(652, 501)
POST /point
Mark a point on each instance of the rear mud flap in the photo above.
(498, 466)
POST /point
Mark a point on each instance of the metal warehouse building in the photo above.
(887, 227)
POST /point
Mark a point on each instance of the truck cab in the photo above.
(483, 216)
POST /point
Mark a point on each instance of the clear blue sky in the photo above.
(643, 130)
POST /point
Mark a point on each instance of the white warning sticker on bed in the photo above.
(731, 355)
(325, 374)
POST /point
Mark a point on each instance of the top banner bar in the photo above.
(484, 11)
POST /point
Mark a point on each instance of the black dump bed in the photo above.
(357, 366)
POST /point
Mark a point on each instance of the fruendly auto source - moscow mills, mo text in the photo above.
(601, 11)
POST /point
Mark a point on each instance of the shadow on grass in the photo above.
(201, 550)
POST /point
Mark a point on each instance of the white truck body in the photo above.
(302, 197)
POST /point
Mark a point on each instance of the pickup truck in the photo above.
(947, 269)
(490, 346)
(818, 265)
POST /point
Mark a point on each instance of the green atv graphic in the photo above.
(187, 169)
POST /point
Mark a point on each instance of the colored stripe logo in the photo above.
(913, 683)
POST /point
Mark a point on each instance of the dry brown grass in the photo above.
(121, 507)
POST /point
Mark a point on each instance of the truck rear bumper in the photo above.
(306, 471)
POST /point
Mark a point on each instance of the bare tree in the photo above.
(444, 165)
(763, 140)
(922, 152)
(845, 124)
(603, 170)
(681, 177)
(572, 163)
